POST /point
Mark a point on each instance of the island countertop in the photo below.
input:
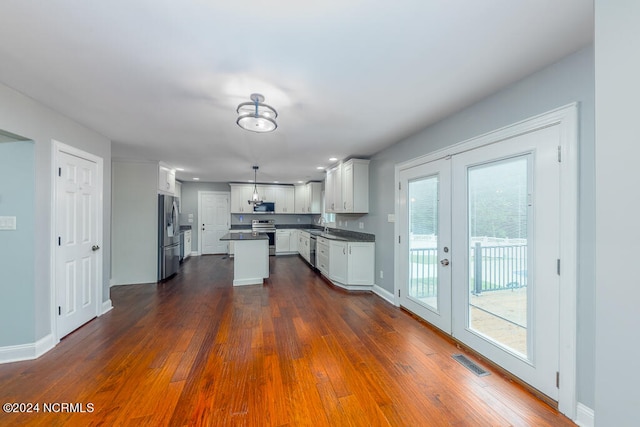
(245, 236)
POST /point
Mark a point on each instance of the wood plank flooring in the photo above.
(293, 352)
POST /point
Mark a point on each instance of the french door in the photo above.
(481, 247)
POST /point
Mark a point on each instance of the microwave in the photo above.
(265, 207)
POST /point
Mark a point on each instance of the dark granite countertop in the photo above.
(245, 236)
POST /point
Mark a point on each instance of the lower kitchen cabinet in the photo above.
(283, 242)
(351, 264)
(322, 256)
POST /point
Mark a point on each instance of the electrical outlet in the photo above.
(241, 218)
(361, 225)
(340, 223)
(298, 219)
(345, 223)
(381, 274)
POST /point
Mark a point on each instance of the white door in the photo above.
(480, 259)
(77, 272)
(425, 226)
(214, 215)
(506, 199)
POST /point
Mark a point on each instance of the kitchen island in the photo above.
(251, 262)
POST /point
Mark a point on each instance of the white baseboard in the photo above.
(17, 353)
(384, 294)
(106, 307)
(585, 416)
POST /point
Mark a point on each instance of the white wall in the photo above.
(135, 223)
(617, 395)
(23, 116)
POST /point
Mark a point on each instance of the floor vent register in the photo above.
(470, 365)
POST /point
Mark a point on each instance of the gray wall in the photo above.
(23, 116)
(17, 260)
(567, 81)
(617, 67)
(135, 223)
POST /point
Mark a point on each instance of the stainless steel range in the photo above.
(267, 226)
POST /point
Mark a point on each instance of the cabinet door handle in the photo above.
(344, 205)
(344, 251)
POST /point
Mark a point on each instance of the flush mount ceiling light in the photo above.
(255, 198)
(256, 116)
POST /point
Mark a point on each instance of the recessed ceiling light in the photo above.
(300, 182)
(196, 179)
(275, 182)
(180, 169)
(333, 159)
(320, 168)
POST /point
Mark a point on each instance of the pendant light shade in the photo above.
(256, 116)
(255, 197)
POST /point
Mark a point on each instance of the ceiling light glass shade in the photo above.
(255, 197)
(256, 116)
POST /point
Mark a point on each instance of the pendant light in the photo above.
(256, 116)
(255, 197)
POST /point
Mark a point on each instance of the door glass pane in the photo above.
(423, 240)
(498, 195)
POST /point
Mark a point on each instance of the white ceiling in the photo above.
(162, 78)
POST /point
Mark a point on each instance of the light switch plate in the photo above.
(391, 218)
(7, 222)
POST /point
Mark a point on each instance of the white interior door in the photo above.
(425, 226)
(77, 271)
(214, 216)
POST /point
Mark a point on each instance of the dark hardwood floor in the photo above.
(197, 351)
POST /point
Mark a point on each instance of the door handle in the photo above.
(444, 262)
(95, 248)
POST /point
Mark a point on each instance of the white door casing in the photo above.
(213, 217)
(77, 238)
(565, 119)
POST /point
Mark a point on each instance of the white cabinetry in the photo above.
(308, 198)
(284, 199)
(166, 179)
(355, 186)
(300, 196)
(187, 244)
(283, 241)
(304, 245)
(333, 190)
(293, 241)
(240, 195)
(338, 261)
(351, 264)
(282, 195)
(322, 255)
(347, 187)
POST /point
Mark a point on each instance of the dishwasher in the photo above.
(312, 250)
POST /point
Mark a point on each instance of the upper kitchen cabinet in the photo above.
(284, 199)
(240, 195)
(333, 190)
(308, 198)
(166, 179)
(347, 187)
(300, 198)
(355, 186)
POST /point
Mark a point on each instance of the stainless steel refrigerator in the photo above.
(168, 236)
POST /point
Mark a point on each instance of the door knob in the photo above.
(95, 248)
(444, 262)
